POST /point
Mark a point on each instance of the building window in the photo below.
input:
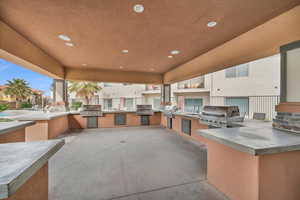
(107, 104)
(241, 102)
(193, 105)
(237, 71)
(128, 103)
(197, 82)
(156, 103)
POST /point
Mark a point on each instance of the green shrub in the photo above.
(75, 105)
(3, 107)
(26, 105)
(5, 120)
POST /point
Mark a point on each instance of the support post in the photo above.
(166, 94)
(60, 91)
(290, 90)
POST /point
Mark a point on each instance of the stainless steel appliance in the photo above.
(91, 112)
(145, 111)
(220, 116)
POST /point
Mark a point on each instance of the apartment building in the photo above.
(253, 86)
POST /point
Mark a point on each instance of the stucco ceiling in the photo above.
(101, 29)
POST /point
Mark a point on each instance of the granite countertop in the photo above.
(6, 127)
(255, 141)
(40, 116)
(20, 161)
(113, 111)
(189, 115)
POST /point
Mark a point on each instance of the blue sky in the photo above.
(9, 71)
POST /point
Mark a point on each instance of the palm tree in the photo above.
(19, 89)
(84, 89)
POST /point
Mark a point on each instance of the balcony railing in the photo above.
(152, 87)
(197, 82)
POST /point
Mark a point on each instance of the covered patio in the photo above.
(155, 42)
(130, 163)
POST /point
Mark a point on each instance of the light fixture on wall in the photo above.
(175, 52)
(64, 37)
(125, 51)
(170, 56)
(69, 44)
(138, 8)
(212, 24)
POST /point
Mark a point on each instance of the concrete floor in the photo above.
(141, 163)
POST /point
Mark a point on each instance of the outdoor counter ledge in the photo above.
(20, 161)
(41, 116)
(6, 127)
(251, 163)
(255, 141)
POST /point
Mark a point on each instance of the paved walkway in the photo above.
(142, 163)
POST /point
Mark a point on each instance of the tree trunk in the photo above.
(87, 100)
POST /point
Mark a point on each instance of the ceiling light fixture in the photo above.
(125, 51)
(64, 37)
(212, 24)
(69, 44)
(170, 56)
(138, 8)
(84, 64)
(175, 52)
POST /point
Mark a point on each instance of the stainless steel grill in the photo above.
(91, 111)
(144, 110)
(220, 116)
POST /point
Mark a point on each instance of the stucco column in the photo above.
(166, 94)
(290, 78)
(60, 91)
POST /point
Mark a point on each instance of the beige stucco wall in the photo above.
(293, 75)
(263, 79)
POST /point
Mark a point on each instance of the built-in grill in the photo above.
(91, 112)
(220, 116)
(142, 110)
(145, 111)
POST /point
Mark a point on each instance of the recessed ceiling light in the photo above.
(138, 8)
(69, 44)
(125, 51)
(64, 37)
(212, 24)
(175, 52)
(170, 56)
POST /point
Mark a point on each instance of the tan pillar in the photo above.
(60, 91)
(166, 94)
(290, 88)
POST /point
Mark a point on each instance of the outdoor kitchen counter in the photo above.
(7, 127)
(13, 131)
(251, 163)
(255, 141)
(47, 125)
(77, 121)
(24, 169)
(41, 116)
